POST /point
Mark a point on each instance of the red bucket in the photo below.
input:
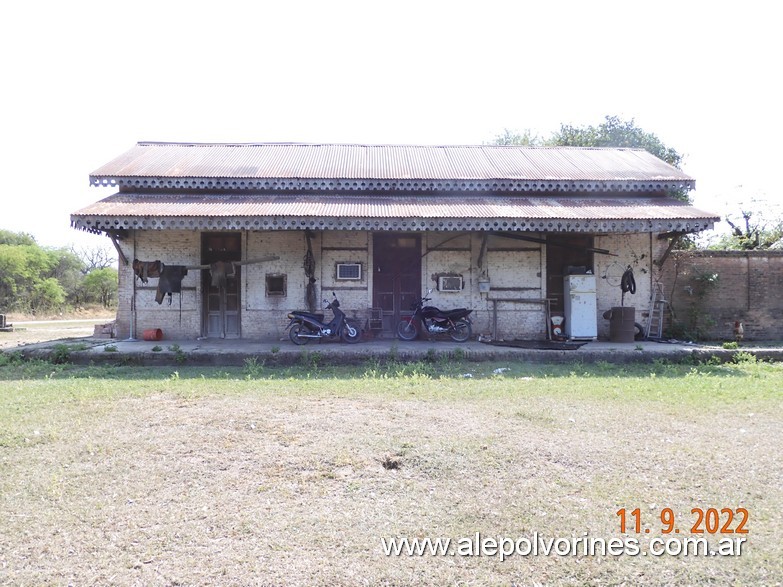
(153, 334)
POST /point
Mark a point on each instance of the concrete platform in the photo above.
(236, 352)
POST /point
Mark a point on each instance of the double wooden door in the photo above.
(396, 275)
(221, 297)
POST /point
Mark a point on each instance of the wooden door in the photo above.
(221, 297)
(396, 275)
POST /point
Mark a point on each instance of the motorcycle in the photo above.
(305, 326)
(455, 323)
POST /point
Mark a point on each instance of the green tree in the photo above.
(612, 132)
(16, 238)
(22, 268)
(68, 269)
(47, 295)
(511, 137)
(100, 285)
(43, 279)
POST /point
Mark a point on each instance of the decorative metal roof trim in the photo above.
(353, 185)
(108, 224)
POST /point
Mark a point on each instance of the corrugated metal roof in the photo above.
(285, 211)
(392, 206)
(379, 164)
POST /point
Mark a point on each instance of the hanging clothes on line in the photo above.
(170, 281)
(146, 269)
(219, 271)
(170, 276)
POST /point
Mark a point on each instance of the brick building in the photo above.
(493, 228)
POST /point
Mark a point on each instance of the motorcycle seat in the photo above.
(319, 317)
(456, 313)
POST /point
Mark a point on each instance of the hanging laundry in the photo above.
(146, 269)
(170, 281)
(219, 271)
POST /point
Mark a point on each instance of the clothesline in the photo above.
(170, 276)
(248, 262)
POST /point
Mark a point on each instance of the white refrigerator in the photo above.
(581, 310)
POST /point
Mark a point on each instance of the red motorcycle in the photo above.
(434, 321)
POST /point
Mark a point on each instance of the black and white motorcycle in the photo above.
(306, 326)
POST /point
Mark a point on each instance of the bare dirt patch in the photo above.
(26, 333)
(189, 483)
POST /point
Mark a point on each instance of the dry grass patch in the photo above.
(153, 479)
(44, 331)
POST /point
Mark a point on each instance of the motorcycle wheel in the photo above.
(407, 330)
(461, 331)
(293, 334)
(351, 333)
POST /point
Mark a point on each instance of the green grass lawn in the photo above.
(294, 475)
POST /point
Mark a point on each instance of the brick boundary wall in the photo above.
(710, 290)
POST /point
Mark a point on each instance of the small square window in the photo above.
(275, 284)
(451, 283)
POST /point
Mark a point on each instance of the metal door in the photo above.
(221, 299)
(396, 275)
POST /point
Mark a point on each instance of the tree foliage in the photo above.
(512, 137)
(15, 238)
(41, 279)
(612, 132)
(101, 285)
(48, 295)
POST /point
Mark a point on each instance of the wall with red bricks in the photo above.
(710, 290)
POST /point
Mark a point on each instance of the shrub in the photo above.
(61, 353)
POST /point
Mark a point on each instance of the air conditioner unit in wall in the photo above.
(451, 283)
(349, 271)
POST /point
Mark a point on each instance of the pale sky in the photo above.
(84, 81)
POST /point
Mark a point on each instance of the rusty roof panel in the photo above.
(285, 161)
(217, 205)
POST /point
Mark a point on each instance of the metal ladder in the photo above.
(658, 305)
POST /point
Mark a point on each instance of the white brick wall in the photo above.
(175, 247)
(264, 316)
(515, 269)
(345, 247)
(634, 250)
(515, 272)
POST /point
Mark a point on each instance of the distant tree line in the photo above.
(36, 279)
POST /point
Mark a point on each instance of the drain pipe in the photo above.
(132, 334)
